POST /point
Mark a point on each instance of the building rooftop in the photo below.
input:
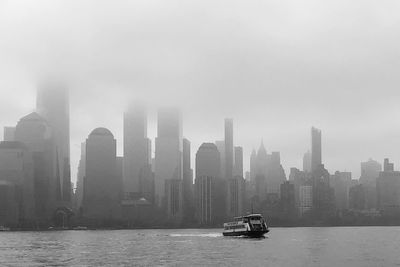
(101, 131)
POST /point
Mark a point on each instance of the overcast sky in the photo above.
(276, 67)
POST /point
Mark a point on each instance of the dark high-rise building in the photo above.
(316, 148)
(229, 159)
(210, 188)
(323, 193)
(53, 105)
(168, 152)
(238, 170)
(188, 197)
(287, 199)
(102, 185)
(137, 153)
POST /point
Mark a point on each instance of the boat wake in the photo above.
(197, 235)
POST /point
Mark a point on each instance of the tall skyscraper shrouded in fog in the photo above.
(229, 159)
(137, 153)
(53, 105)
(168, 157)
(316, 148)
(102, 186)
(210, 187)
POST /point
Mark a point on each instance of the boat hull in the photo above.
(246, 233)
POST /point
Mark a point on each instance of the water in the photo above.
(329, 246)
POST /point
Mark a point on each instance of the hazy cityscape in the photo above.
(199, 133)
(137, 190)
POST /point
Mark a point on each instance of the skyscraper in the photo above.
(137, 152)
(388, 190)
(102, 185)
(81, 176)
(168, 152)
(17, 204)
(238, 170)
(229, 160)
(210, 187)
(34, 131)
(307, 162)
(316, 148)
(188, 198)
(369, 173)
(53, 105)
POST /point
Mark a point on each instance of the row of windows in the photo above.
(234, 227)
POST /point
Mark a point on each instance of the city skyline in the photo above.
(288, 159)
(271, 68)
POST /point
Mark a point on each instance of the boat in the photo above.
(252, 225)
(3, 228)
(80, 228)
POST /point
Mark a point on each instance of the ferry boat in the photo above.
(3, 228)
(252, 225)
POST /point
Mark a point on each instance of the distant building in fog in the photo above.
(341, 184)
(187, 186)
(53, 105)
(305, 199)
(268, 167)
(388, 190)
(168, 153)
(369, 173)
(238, 168)
(209, 186)
(221, 148)
(287, 199)
(9, 134)
(34, 131)
(307, 162)
(236, 196)
(316, 148)
(357, 197)
(17, 204)
(102, 185)
(229, 157)
(80, 176)
(137, 153)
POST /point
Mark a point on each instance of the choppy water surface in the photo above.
(346, 246)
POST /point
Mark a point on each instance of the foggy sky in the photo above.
(276, 67)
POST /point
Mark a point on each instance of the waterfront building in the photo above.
(53, 105)
(168, 153)
(102, 188)
(137, 153)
